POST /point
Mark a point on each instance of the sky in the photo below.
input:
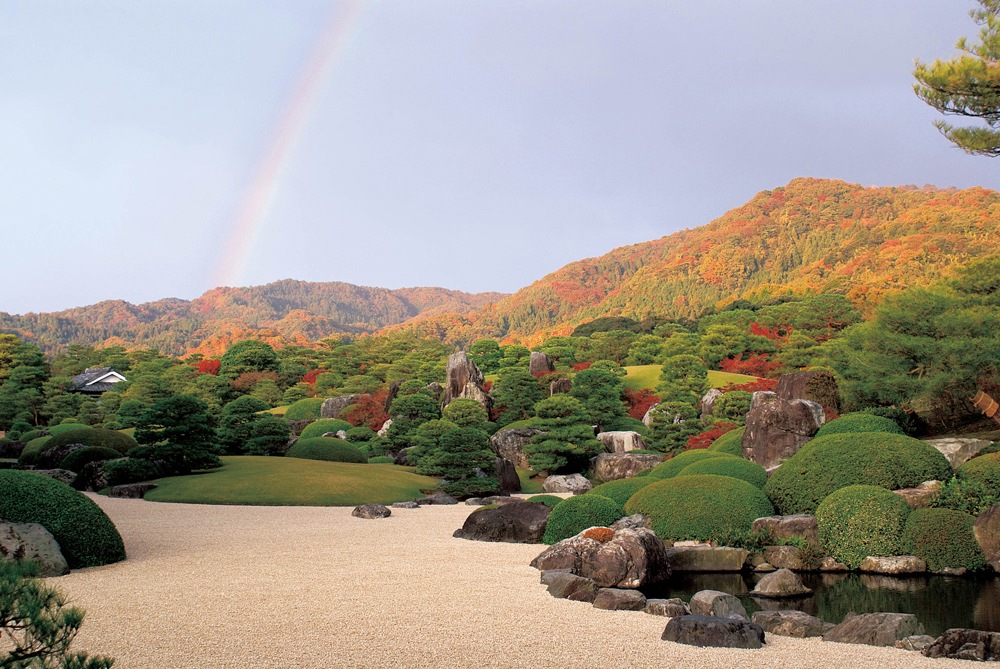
(159, 149)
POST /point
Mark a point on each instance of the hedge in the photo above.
(320, 427)
(984, 469)
(306, 409)
(862, 520)
(86, 536)
(575, 514)
(943, 538)
(113, 439)
(738, 468)
(326, 448)
(826, 464)
(859, 422)
(731, 443)
(621, 490)
(674, 465)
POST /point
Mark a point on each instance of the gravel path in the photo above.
(290, 587)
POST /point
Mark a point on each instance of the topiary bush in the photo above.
(731, 443)
(113, 439)
(307, 409)
(620, 490)
(66, 427)
(33, 434)
(859, 422)
(738, 468)
(862, 520)
(826, 464)
(984, 470)
(326, 448)
(943, 538)
(129, 470)
(86, 536)
(703, 507)
(907, 422)
(77, 460)
(548, 500)
(674, 465)
(381, 460)
(575, 514)
(320, 427)
(32, 449)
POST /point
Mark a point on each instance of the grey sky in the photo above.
(472, 145)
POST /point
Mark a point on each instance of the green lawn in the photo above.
(529, 485)
(275, 481)
(648, 376)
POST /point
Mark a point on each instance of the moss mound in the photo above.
(85, 534)
(703, 506)
(859, 422)
(738, 468)
(984, 469)
(575, 514)
(862, 520)
(548, 500)
(307, 409)
(674, 465)
(943, 538)
(826, 464)
(731, 443)
(621, 490)
(320, 427)
(326, 448)
(31, 450)
(77, 460)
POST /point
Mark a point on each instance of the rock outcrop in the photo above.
(613, 466)
(777, 428)
(817, 386)
(539, 363)
(718, 604)
(780, 584)
(510, 444)
(875, 629)
(708, 402)
(965, 644)
(621, 441)
(713, 632)
(790, 623)
(628, 559)
(798, 526)
(517, 522)
(464, 379)
(371, 511)
(959, 450)
(332, 407)
(574, 483)
(706, 558)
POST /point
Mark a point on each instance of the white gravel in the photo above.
(288, 587)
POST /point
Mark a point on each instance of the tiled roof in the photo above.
(85, 382)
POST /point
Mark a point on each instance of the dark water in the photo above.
(939, 602)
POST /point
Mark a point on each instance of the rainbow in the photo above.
(260, 194)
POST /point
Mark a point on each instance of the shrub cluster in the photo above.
(738, 468)
(674, 465)
(318, 428)
(731, 443)
(326, 448)
(77, 460)
(620, 490)
(381, 460)
(307, 409)
(861, 421)
(31, 450)
(575, 514)
(943, 538)
(984, 470)
(129, 470)
(862, 520)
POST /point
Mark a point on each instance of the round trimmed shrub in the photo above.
(674, 465)
(66, 427)
(859, 422)
(548, 500)
(306, 409)
(826, 464)
(702, 507)
(575, 514)
(943, 538)
(738, 468)
(93, 436)
(326, 448)
(32, 449)
(33, 434)
(620, 490)
(731, 443)
(318, 428)
(862, 520)
(77, 460)
(129, 470)
(86, 536)
(381, 460)
(360, 435)
(984, 469)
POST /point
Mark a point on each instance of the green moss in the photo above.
(674, 465)
(826, 464)
(621, 490)
(77, 460)
(326, 448)
(985, 470)
(859, 422)
(86, 536)
(575, 514)
(943, 538)
(862, 520)
(323, 425)
(738, 468)
(731, 443)
(307, 409)
(703, 507)
(548, 500)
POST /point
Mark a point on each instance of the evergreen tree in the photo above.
(177, 434)
(236, 421)
(600, 392)
(671, 425)
(683, 379)
(567, 442)
(515, 393)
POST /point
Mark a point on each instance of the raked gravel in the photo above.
(288, 587)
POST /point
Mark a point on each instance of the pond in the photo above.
(939, 602)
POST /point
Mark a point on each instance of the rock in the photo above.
(987, 531)
(776, 428)
(829, 564)
(507, 475)
(92, 476)
(574, 483)
(897, 564)
(565, 585)
(708, 402)
(405, 505)
(718, 604)
(712, 632)
(384, 430)
(959, 450)
(647, 420)
(633, 522)
(474, 501)
(790, 623)
(780, 584)
(64, 475)
(784, 557)
(31, 541)
(546, 576)
(617, 599)
(439, 498)
(875, 629)
(706, 558)
(965, 644)
(51, 458)
(500, 500)
(560, 386)
(817, 386)
(465, 380)
(518, 523)
(921, 496)
(510, 444)
(952, 571)
(671, 608)
(765, 568)
(539, 364)
(629, 559)
(131, 490)
(799, 526)
(11, 449)
(371, 511)
(613, 466)
(917, 642)
(402, 456)
(332, 407)
(622, 441)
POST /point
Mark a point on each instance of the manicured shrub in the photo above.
(575, 514)
(381, 460)
(76, 460)
(33, 434)
(32, 449)
(66, 427)
(306, 409)
(674, 465)
(129, 470)
(320, 427)
(702, 507)
(731, 443)
(985, 470)
(732, 406)
(360, 435)
(906, 421)
(98, 437)
(859, 422)
(738, 468)
(620, 490)
(943, 538)
(971, 497)
(85, 534)
(548, 500)
(826, 464)
(862, 520)
(325, 448)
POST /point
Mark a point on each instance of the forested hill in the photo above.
(812, 235)
(284, 312)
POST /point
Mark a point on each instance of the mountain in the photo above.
(284, 312)
(810, 236)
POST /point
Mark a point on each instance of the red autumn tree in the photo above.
(208, 367)
(639, 401)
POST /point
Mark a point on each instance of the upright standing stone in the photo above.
(777, 428)
(818, 386)
(539, 363)
(464, 379)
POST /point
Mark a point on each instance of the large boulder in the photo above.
(798, 526)
(708, 402)
(560, 386)
(875, 629)
(539, 364)
(464, 379)
(713, 632)
(777, 428)
(817, 386)
(621, 441)
(623, 558)
(706, 558)
(507, 475)
(371, 511)
(510, 444)
(131, 490)
(565, 585)
(893, 565)
(987, 531)
(574, 483)
(959, 450)
(964, 644)
(780, 584)
(671, 608)
(332, 407)
(31, 541)
(518, 523)
(618, 599)
(784, 557)
(790, 623)
(613, 466)
(718, 604)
